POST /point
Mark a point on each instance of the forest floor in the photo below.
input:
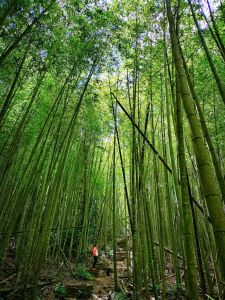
(63, 280)
(69, 280)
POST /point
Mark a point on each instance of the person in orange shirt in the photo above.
(95, 255)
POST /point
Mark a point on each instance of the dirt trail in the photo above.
(103, 279)
(102, 285)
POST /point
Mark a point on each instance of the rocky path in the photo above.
(104, 281)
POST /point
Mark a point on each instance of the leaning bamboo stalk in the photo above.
(205, 130)
(188, 230)
(205, 168)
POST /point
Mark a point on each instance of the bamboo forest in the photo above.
(112, 149)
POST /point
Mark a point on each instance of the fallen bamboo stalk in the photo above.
(6, 279)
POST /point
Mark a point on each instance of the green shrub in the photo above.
(119, 296)
(60, 291)
(108, 252)
(82, 273)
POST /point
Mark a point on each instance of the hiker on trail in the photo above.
(95, 255)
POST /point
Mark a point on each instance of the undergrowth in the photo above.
(60, 291)
(82, 273)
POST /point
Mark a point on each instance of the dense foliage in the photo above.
(112, 125)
